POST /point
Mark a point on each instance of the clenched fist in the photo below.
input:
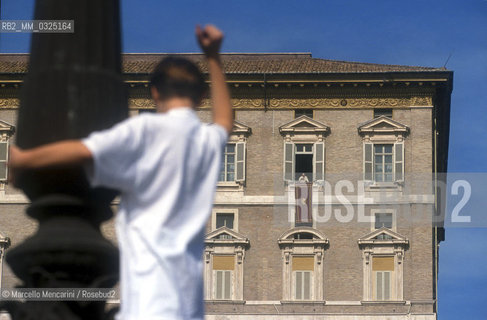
(210, 39)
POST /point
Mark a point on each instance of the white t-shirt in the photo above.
(166, 167)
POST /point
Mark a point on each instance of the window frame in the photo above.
(371, 247)
(225, 163)
(316, 164)
(216, 211)
(375, 212)
(291, 248)
(239, 137)
(216, 287)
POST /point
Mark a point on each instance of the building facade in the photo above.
(327, 199)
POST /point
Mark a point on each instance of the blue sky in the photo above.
(423, 33)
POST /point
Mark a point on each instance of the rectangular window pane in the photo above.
(230, 148)
(382, 112)
(3, 170)
(399, 171)
(240, 152)
(388, 148)
(219, 284)
(383, 220)
(299, 285)
(224, 220)
(379, 285)
(3, 151)
(307, 286)
(228, 284)
(398, 151)
(289, 170)
(303, 112)
(387, 285)
(319, 152)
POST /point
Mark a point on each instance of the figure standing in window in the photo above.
(303, 178)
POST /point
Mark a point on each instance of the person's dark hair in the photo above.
(178, 77)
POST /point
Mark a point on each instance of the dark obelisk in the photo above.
(73, 87)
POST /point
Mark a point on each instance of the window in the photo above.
(383, 162)
(6, 131)
(383, 220)
(303, 112)
(224, 261)
(224, 220)
(383, 268)
(304, 162)
(223, 267)
(383, 260)
(304, 150)
(3, 160)
(303, 268)
(227, 172)
(232, 173)
(383, 150)
(224, 217)
(302, 250)
(383, 112)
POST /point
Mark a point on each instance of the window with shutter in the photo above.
(319, 161)
(223, 267)
(227, 172)
(399, 161)
(303, 268)
(383, 267)
(288, 161)
(303, 285)
(240, 176)
(384, 162)
(3, 160)
(368, 163)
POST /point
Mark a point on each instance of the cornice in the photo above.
(286, 103)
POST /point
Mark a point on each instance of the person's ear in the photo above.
(155, 94)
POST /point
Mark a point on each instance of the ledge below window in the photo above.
(315, 302)
(383, 186)
(225, 301)
(229, 186)
(384, 302)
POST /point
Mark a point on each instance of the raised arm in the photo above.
(63, 153)
(210, 39)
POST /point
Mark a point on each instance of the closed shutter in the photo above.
(319, 163)
(3, 160)
(299, 285)
(228, 284)
(368, 161)
(303, 285)
(240, 176)
(288, 161)
(399, 161)
(307, 285)
(223, 284)
(383, 268)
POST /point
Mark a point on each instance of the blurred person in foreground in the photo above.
(166, 167)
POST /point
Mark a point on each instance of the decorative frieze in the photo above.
(9, 103)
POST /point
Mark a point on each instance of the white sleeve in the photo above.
(218, 135)
(115, 152)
